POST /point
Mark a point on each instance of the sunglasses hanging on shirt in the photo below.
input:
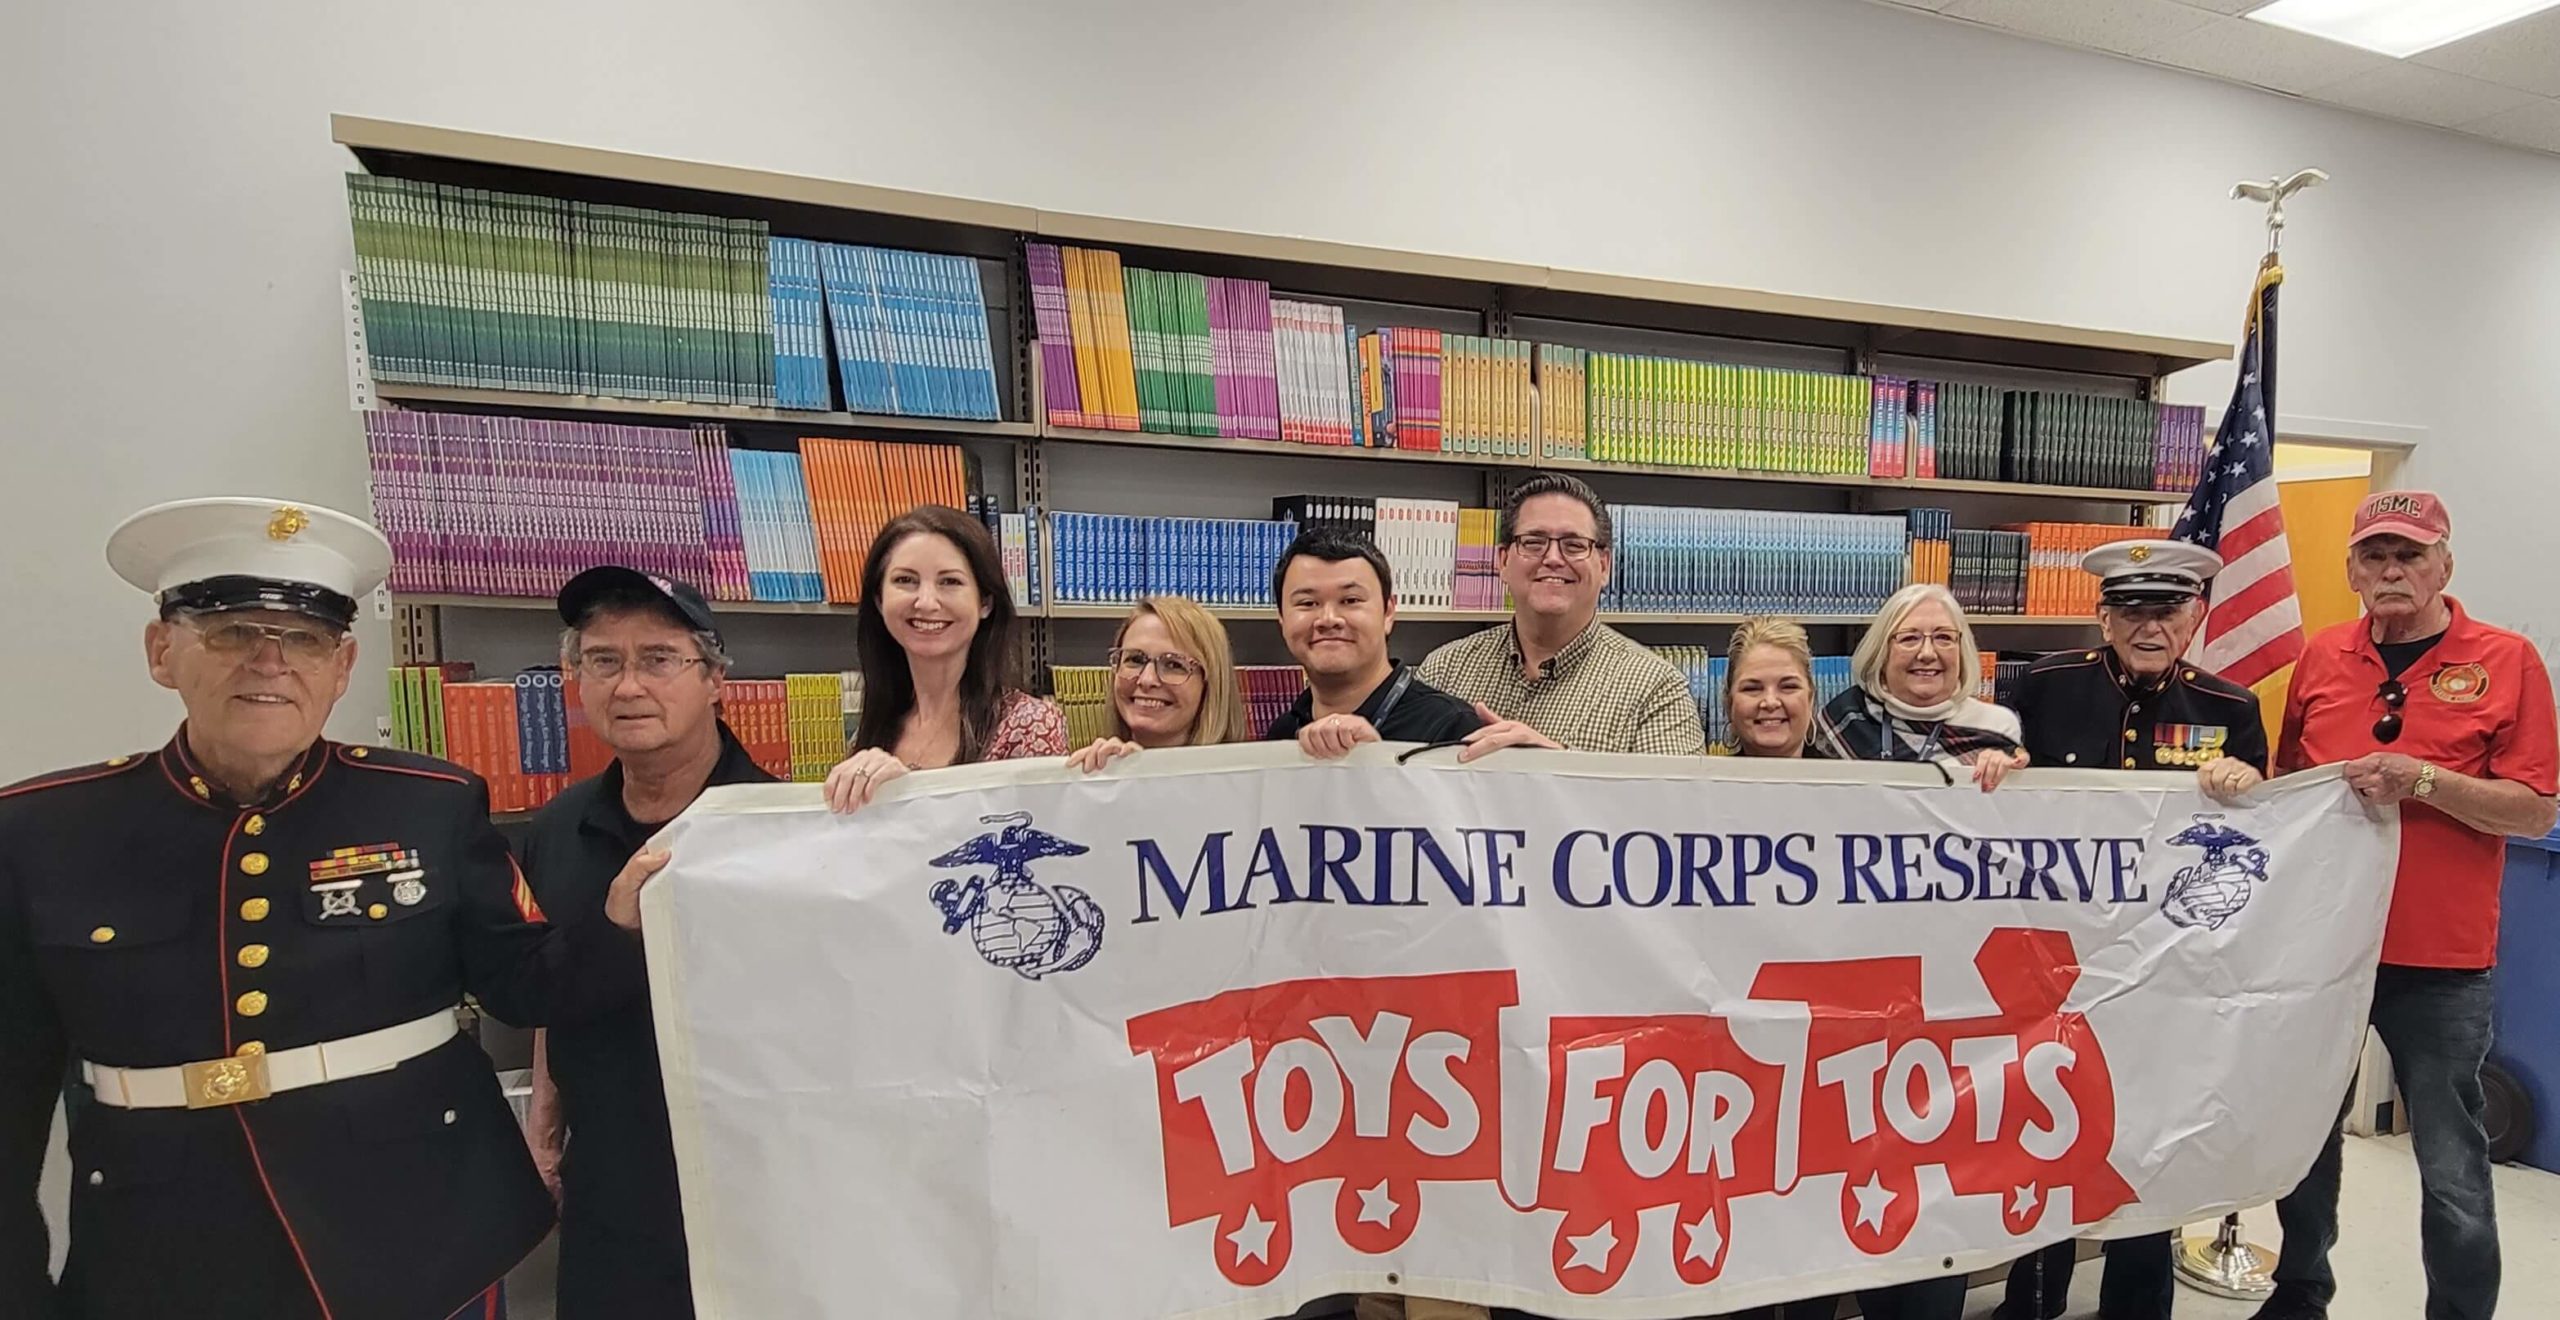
(2394, 695)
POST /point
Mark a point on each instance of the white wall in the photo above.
(174, 222)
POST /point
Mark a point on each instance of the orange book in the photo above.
(871, 502)
(1086, 330)
(835, 462)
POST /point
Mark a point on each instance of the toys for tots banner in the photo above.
(1221, 1031)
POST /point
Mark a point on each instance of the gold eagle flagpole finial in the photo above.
(2273, 192)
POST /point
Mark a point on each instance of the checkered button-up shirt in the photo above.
(1602, 693)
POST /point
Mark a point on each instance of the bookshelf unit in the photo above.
(1056, 467)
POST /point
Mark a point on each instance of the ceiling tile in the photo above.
(2228, 6)
(2125, 27)
(2536, 126)
(1921, 4)
(2427, 96)
(2525, 53)
(2263, 56)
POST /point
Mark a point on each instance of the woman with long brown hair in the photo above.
(936, 635)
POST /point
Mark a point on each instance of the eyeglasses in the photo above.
(1575, 549)
(1941, 640)
(1172, 669)
(239, 639)
(652, 666)
(2394, 694)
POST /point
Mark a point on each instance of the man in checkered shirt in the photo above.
(1555, 667)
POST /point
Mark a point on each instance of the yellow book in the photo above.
(1086, 330)
(1119, 365)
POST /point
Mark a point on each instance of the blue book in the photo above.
(978, 347)
(530, 756)
(1031, 522)
(746, 471)
(808, 585)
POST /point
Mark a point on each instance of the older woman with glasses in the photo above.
(1173, 684)
(1916, 673)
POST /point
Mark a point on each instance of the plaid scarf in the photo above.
(1855, 726)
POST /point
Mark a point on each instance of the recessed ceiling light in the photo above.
(2398, 28)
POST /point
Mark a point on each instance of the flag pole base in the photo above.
(2226, 1265)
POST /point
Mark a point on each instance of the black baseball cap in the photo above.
(611, 579)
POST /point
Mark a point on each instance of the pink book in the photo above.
(1222, 355)
(1260, 366)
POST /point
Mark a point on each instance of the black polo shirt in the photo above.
(619, 1171)
(1419, 713)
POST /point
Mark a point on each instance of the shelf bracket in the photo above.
(417, 634)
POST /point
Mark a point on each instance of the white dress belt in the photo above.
(232, 1081)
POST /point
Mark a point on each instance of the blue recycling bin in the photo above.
(2527, 1013)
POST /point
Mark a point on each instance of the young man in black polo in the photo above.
(649, 662)
(1337, 603)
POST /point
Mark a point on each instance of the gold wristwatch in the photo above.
(2426, 779)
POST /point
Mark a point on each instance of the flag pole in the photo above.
(2227, 1264)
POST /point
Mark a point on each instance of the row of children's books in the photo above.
(507, 506)
(1110, 558)
(1439, 554)
(2056, 585)
(488, 290)
(466, 287)
(906, 332)
(1677, 560)
(514, 506)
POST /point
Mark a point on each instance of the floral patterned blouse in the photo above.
(1027, 726)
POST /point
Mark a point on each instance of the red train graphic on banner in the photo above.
(1382, 1084)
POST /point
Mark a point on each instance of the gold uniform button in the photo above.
(102, 935)
(2128, 735)
(2128, 763)
(197, 783)
(250, 1049)
(119, 760)
(254, 909)
(253, 864)
(253, 1003)
(357, 752)
(377, 912)
(253, 956)
(254, 825)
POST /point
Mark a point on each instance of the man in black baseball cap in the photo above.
(647, 656)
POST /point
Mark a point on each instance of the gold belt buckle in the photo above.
(219, 1082)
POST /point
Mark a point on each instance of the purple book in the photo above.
(1057, 338)
(1260, 367)
(1222, 355)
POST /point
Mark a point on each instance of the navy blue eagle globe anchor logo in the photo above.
(1017, 923)
(2213, 891)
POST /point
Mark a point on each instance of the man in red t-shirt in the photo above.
(2449, 718)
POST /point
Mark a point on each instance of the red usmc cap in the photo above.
(2414, 514)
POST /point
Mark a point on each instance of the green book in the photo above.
(1146, 348)
(430, 695)
(1203, 355)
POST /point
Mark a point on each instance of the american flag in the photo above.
(2253, 623)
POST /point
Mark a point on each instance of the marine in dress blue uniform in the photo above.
(2132, 704)
(258, 980)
